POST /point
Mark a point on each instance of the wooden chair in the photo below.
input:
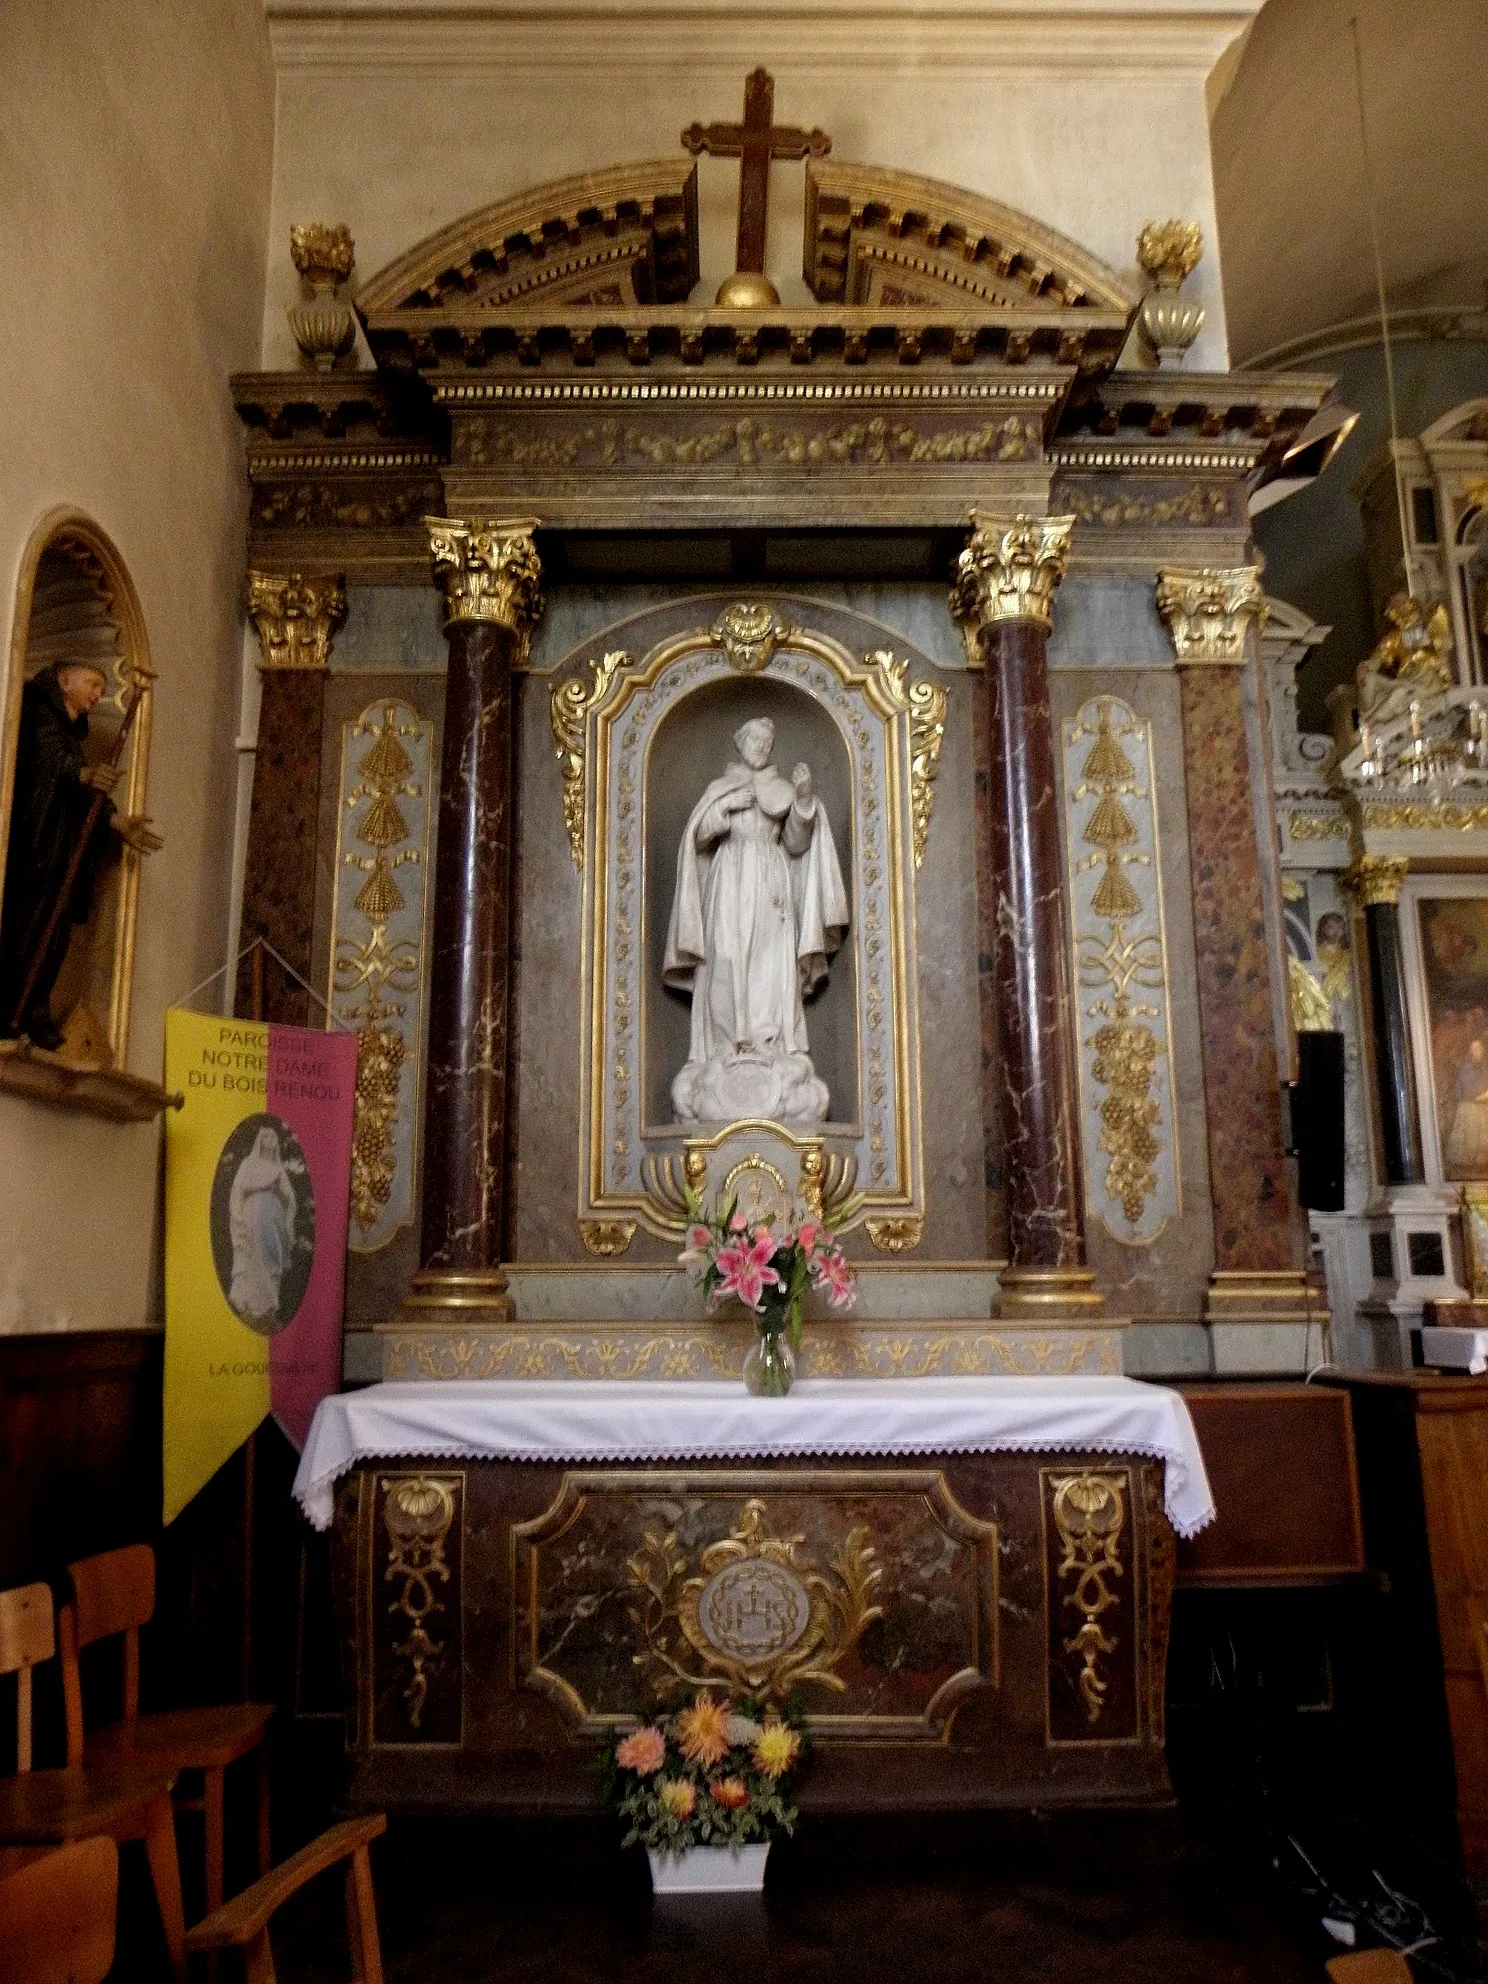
(123, 1802)
(113, 1595)
(57, 1914)
(243, 1924)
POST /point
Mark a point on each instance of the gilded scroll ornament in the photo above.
(1010, 570)
(1089, 1517)
(295, 617)
(1207, 612)
(377, 951)
(569, 709)
(1406, 816)
(1376, 878)
(749, 634)
(417, 1515)
(757, 1617)
(1120, 946)
(926, 703)
(487, 569)
(1317, 826)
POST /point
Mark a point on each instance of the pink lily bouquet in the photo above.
(768, 1266)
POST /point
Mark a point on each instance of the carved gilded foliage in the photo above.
(1010, 570)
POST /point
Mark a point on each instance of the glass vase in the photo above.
(770, 1366)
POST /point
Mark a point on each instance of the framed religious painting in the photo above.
(1444, 943)
(73, 776)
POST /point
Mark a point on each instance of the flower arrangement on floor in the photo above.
(768, 1266)
(712, 1774)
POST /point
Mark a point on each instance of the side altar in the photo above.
(811, 755)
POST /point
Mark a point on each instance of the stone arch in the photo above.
(627, 235)
(76, 598)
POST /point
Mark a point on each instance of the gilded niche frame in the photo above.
(109, 626)
(890, 731)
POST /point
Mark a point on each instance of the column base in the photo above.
(440, 1297)
(1040, 1295)
(1262, 1295)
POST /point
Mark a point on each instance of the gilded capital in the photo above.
(1376, 878)
(1207, 612)
(1010, 570)
(487, 568)
(295, 617)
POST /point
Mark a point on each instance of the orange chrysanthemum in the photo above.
(729, 1793)
(776, 1748)
(678, 1795)
(702, 1731)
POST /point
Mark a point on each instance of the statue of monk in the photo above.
(54, 789)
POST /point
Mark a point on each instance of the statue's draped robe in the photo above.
(47, 814)
(753, 927)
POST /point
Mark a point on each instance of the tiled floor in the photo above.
(1122, 1899)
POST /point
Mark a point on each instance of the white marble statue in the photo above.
(759, 909)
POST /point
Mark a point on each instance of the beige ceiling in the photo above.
(1289, 176)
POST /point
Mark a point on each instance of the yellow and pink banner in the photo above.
(257, 1185)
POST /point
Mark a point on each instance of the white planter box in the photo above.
(709, 1870)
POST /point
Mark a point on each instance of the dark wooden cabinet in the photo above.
(1423, 1479)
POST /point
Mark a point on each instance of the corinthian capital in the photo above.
(295, 617)
(487, 568)
(1010, 570)
(1207, 612)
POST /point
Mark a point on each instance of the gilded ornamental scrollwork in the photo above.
(418, 1513)
(295, 617)
(757, 1616)
(925, 701)
(1119, 939)
(1009, 570)
(1208, 612)
(1090, 1514)
(377, 948)
(749, 634)
(487, 569)
(569, 707)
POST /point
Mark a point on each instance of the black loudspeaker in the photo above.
(1317, 1121)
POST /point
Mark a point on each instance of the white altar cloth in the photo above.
(574, 1420)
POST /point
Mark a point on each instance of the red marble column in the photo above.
(489, 574)
(1257, 1268)
(1004, 596)
(295, 618)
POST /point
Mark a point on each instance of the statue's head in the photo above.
(266, 1144)
(81, 683)
(754, 741)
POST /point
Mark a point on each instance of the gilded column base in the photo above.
(446, 1298)
(1261, 1296)
(1042, 1295)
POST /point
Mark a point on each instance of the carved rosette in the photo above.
(1010, 570)
(1208, 612)
(295, 618)
(487, 569)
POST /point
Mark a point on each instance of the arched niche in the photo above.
(76, 599)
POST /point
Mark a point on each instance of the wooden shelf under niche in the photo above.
(112, 1093)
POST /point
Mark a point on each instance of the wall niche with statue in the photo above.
(74, 828)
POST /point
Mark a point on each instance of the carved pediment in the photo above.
(621, 237)
(874, 235)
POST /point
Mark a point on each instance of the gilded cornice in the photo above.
(295, 617)
(1208, 612)
(487, 569)
(1010, 570)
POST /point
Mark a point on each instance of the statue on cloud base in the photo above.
(760, 908)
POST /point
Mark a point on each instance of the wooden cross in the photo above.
(754, 143)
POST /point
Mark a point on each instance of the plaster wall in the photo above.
(135, 150)
(1091, 118)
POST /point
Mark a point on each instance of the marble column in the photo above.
(1258, 1274)
(1375, 881)
(489, 575)
(295, 618)
(1004, 598)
